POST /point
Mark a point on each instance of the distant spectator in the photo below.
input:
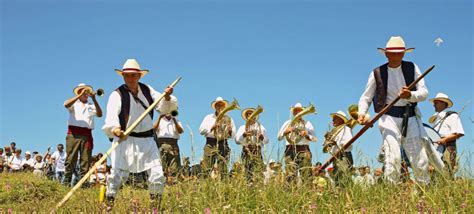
(14, 163)
(13, 147)
(364, 178)
(2, 160)
(39, 166)
(60, 160)
(50, 166)
(28, 162)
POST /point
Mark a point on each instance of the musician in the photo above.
(137, 152)
(168, 130)
(297, 154)
(449, 126)
(79, 140)
(343, 163)
(252, 136)
(217, 150)
(385, 84)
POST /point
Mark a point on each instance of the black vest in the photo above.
(381, 77)
(125, 96)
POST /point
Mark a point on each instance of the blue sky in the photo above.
(272, 53)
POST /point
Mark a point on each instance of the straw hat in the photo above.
(245, 111)
(341, 115)
(131, 66)
(395, 45)
(297, 105)
(444, 98)
(219, 99)
(81, 86)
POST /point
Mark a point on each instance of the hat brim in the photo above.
(445, 100)
(213, 104)
(340, 116)
(121, 72)
(77, 88)
(407, 50)
(244, 112)
(293, 108)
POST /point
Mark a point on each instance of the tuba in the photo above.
(253, 127)
(298, 125)
(223, 122)
(330, 136)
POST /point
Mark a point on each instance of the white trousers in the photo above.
(414, 145)
(156, 180)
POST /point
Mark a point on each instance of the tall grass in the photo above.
(23, 192)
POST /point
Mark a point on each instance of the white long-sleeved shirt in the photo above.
(60, 158)
(114, 106)
(82, 115)
(341, 139)
(395, 82)
(167, 128)
(451, 124)
(309, 128)
(239, 137)
(16, 162)
(208, 122)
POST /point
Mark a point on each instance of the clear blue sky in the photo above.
(272, 53)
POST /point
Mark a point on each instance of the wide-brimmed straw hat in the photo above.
(395, 45)
(244, 113)
(81, 86)
(131, 66)
(297, 105)
(219, 99)
(341, 115)
(444, 98)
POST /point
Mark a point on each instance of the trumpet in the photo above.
(298, 125)
(99, 92)
(253, 126)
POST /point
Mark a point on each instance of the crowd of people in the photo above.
(150, 149)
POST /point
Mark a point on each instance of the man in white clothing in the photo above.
(401, 126)
(136, 152)
(448, 125)
(59, 157)
(217, 150)
(252, 136)
(168, 130)
(297, 154)
(79, 139)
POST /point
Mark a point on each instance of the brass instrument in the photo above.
(329, 137)
(298, 125)
(223, 122)
(99, 92)
(253, 127)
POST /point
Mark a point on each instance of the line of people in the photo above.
(153, 146)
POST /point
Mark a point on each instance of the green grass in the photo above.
(25, 193)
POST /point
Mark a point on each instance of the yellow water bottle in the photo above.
(102, 190)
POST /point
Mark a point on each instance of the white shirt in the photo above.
(167, 128)
(303, 141)
(114, 106)
(341, 139)
(207, 124)
(450, 125)
(135, 154)
(239, 137)
(365, 180)
(39, 166)
(16, 162)
(395, 82)
(30, 162)
(82, 115)
(60, 160)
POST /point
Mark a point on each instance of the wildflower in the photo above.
(207, 210)
(10, 210)
(363, 210)
(7, 187)
(313, 206)
(463, 205)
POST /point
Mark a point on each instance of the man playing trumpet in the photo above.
(168, 130)
(217, 128)
(252, 136)
(298, 133)
(79, 139)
